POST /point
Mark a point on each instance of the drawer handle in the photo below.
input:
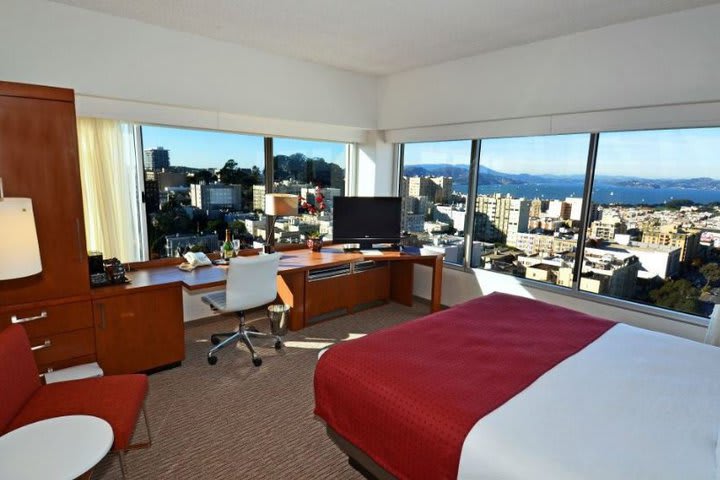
(15, 319)
(45, 344)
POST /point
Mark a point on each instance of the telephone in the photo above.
(194, 260)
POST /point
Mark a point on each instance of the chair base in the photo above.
(244, 334)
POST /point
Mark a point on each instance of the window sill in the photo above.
(603, 300)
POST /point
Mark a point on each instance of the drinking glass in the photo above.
(236, 246)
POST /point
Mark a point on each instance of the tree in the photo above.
(678, 295)
(229, 172)
(203, 176)
(711, 272)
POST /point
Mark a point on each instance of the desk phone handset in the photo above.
(194, 260)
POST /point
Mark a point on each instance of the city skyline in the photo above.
(653, 154)
(211, 149)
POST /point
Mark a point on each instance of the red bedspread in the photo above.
(408, 396)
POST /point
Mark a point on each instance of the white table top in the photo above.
(58, 448)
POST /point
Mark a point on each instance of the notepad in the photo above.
(372, 252)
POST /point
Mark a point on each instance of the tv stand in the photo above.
(394, 247)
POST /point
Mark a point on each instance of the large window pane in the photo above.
(655, 237)
(434, 188)
(529, 206)
(197, 184)
(315, 171)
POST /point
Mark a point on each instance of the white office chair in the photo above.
(251, 283)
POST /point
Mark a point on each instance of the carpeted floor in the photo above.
(234, 420)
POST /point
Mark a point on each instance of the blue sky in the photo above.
(209, 149)
(681, 153)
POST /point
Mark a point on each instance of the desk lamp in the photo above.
(19, 249)
(277, 205)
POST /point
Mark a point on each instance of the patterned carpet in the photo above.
(234, 420)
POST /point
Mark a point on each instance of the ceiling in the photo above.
(383, 36)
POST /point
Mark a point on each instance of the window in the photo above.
(434, 191)
(649, 235)
(315, 171)
(656, 231)
(198, 184)
(528, 208)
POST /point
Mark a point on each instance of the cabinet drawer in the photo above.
(328, 295)
(49, 349)
(50, 319)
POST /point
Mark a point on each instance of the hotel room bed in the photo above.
(504, 387)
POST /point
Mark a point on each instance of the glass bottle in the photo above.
(227, 246)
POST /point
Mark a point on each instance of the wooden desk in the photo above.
(294, 270)
(139, 326)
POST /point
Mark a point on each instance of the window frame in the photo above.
(574, 291)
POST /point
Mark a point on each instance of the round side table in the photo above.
(61, 447)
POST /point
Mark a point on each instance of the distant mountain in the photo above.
(701, 183)
(488, 176)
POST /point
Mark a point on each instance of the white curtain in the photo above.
(108, 170)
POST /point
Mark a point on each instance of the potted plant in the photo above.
(314, 240)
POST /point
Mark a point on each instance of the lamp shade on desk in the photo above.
(281, 204)
(19, 249)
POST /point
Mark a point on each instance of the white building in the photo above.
(216, 196)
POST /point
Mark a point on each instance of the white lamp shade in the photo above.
(279, 204)
(19, 249)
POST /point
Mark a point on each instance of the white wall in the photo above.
(375, 169)
(103, 56)
(658, 61)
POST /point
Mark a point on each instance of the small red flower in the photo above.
(319, 203)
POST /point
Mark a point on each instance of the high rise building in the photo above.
(674, 236)
(157, 158)
(443, 189)
(421, 187)
(537, 206)
(497, 216)
(258, 196)
(559, 209)
(216, 196)
(435, 189)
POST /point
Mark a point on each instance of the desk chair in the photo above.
(251, 283)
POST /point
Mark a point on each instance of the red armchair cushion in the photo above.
(116, 399)
(18, 373)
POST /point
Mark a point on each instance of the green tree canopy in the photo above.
(711, 272)
(678, 295)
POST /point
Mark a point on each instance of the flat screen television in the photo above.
(366, 220)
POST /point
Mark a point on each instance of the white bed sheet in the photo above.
(634, 404)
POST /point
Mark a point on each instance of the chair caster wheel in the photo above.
(212, 360)
(278, 344)
(214, 339)
(257, 361)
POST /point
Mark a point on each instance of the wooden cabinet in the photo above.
(39, 160)
(139, 330)
(61, 334)
(371, 285)
(342, 288)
